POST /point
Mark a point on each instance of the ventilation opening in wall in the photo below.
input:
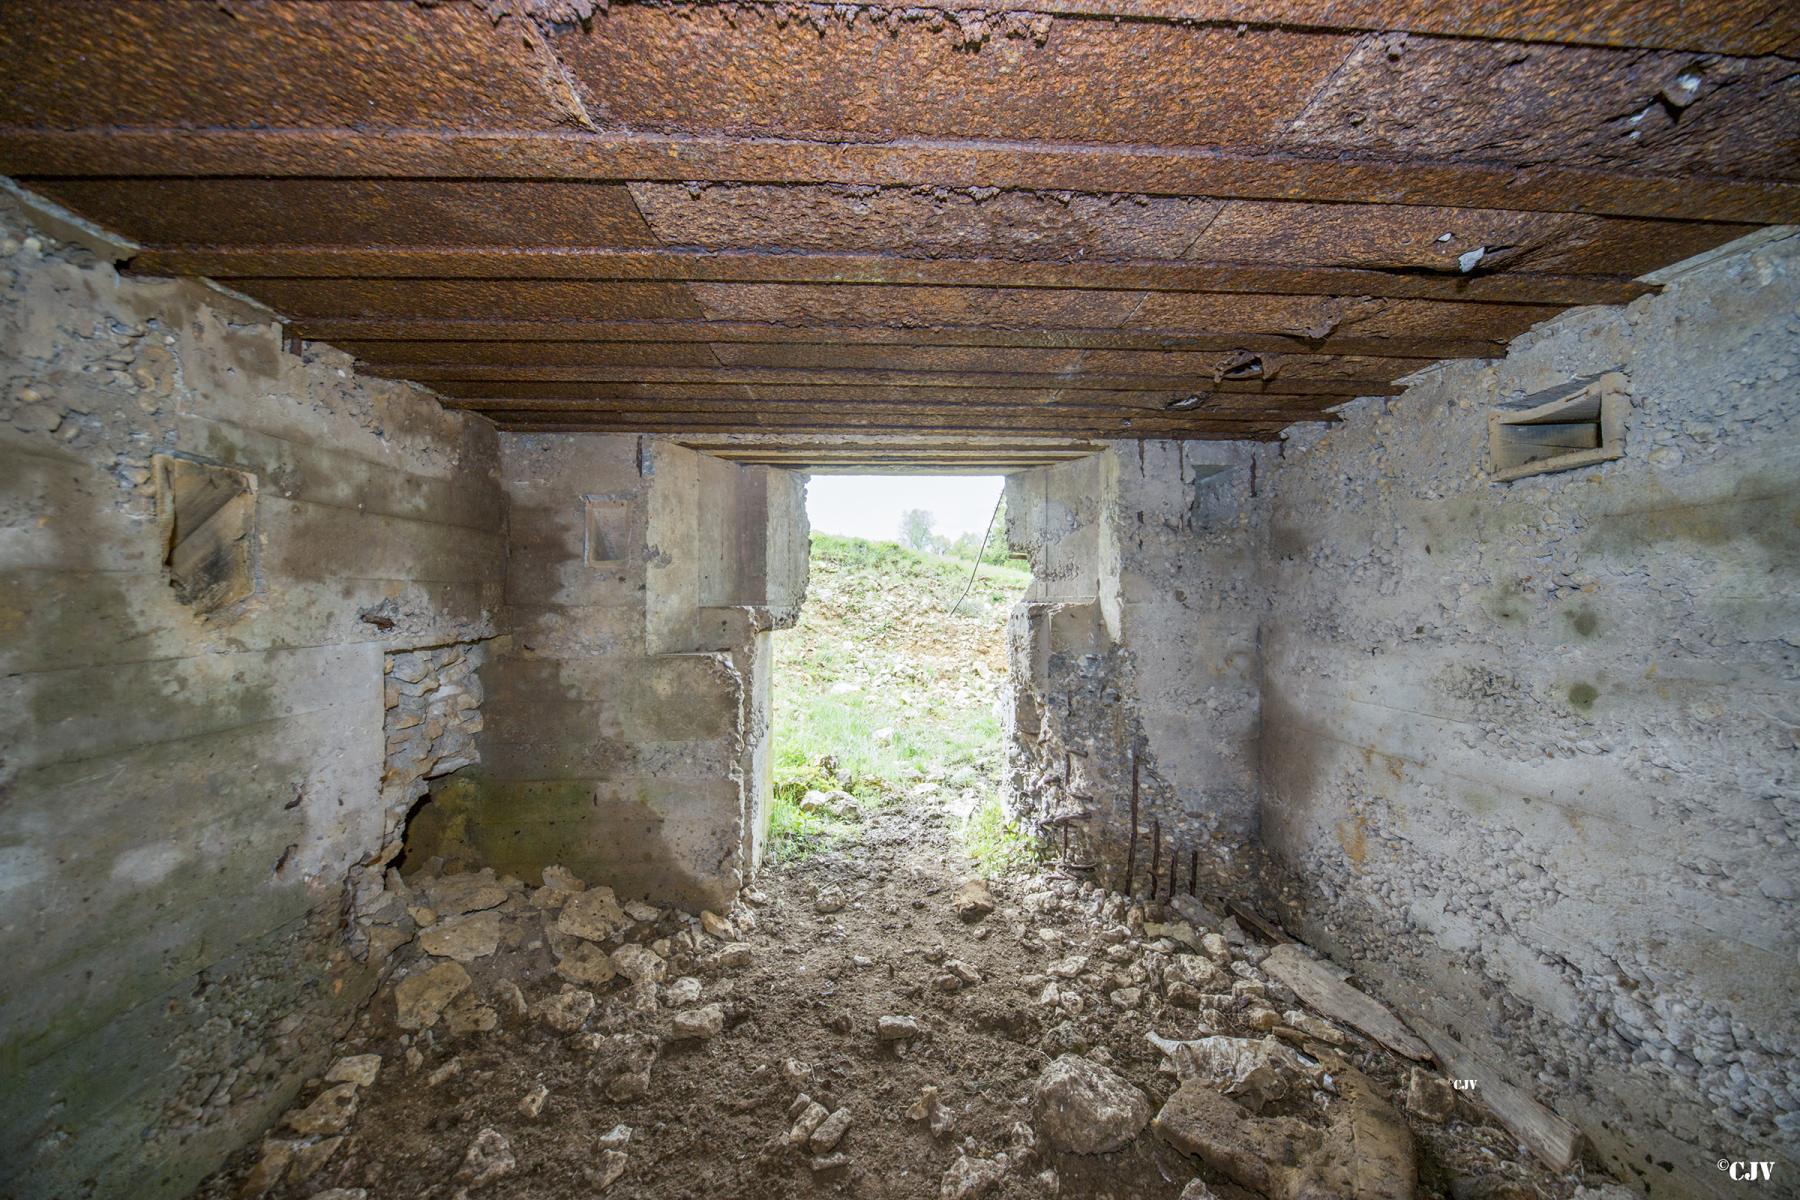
(885, 691)
(608, 525)
(1572, 425)
(207, 514)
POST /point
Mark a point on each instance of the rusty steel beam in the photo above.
(997, 412)
(377, 329)
(696, 265)
(856, 376)
(27, 152)
(650, 423)
(1708, 27)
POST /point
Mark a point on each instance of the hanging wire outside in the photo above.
(986, 534)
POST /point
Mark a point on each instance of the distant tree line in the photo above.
(916, 532)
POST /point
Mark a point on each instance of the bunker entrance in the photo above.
(888, 690)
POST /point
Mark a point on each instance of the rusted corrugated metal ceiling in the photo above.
(1079, 219)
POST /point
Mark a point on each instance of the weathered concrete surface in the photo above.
(626, 722)
(1133, 662)
(184, 793)
(1529, 748)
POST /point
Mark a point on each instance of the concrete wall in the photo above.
(626, 720)
(182, 793)
(1530, 748)
(1133, 662)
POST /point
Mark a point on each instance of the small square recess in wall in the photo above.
(207, 515)
(608, 526)
(1574, 425)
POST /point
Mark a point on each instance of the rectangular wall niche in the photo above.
(608, 528)
(1573, 425)
(207, 514)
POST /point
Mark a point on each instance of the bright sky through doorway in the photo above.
(869, 506)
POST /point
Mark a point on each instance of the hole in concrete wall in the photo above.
(886, 690)
(608, 526)
(1576, 425)
(207, 514)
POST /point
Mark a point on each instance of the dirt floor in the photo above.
(708, 1041)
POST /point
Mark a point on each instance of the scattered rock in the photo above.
(532, 1105)
(359, 1069)
(830, 1132)
(971, 1178)
(898, 1029)
(829, 900)
(639, 964)
(329, 1112)
(718, 926)
(682, 992)
(1257, 1071)
(811, 1117)
(420, 998)
(731, 956)
(463, 938)
(973, 900)
(453, 895)
(593, 914)
(488, 1158)
(269, 1168)
(616, 1138)
(1258, 1153)
(445, 1073)
(467, 1014)
(699, 1024)
(586, 963)
(606, 1172)
(566, 1011)
(1086, 1108)
(931, 1109)
(561, 879)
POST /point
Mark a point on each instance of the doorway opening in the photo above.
(889, 688)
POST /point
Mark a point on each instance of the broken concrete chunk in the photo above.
(640, 964)
(562, 879)
(810, 1118)
(1367, 1153)
(606, 1172)
(565, 1012)
(698, 1024)
(329, 1112)
(421, 998)
(359, 1069)
(593, 914)
(468, 1014)
(586, 963)
(1258, 1153)
(453, 895)
(489, 1157)
(829, 1132)
(463, 938)
(896, 1029)
(682, 992)
(973, 900)
(971, 1178)
(1256, 1070)
(1087, 1108)
(276, 1155)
